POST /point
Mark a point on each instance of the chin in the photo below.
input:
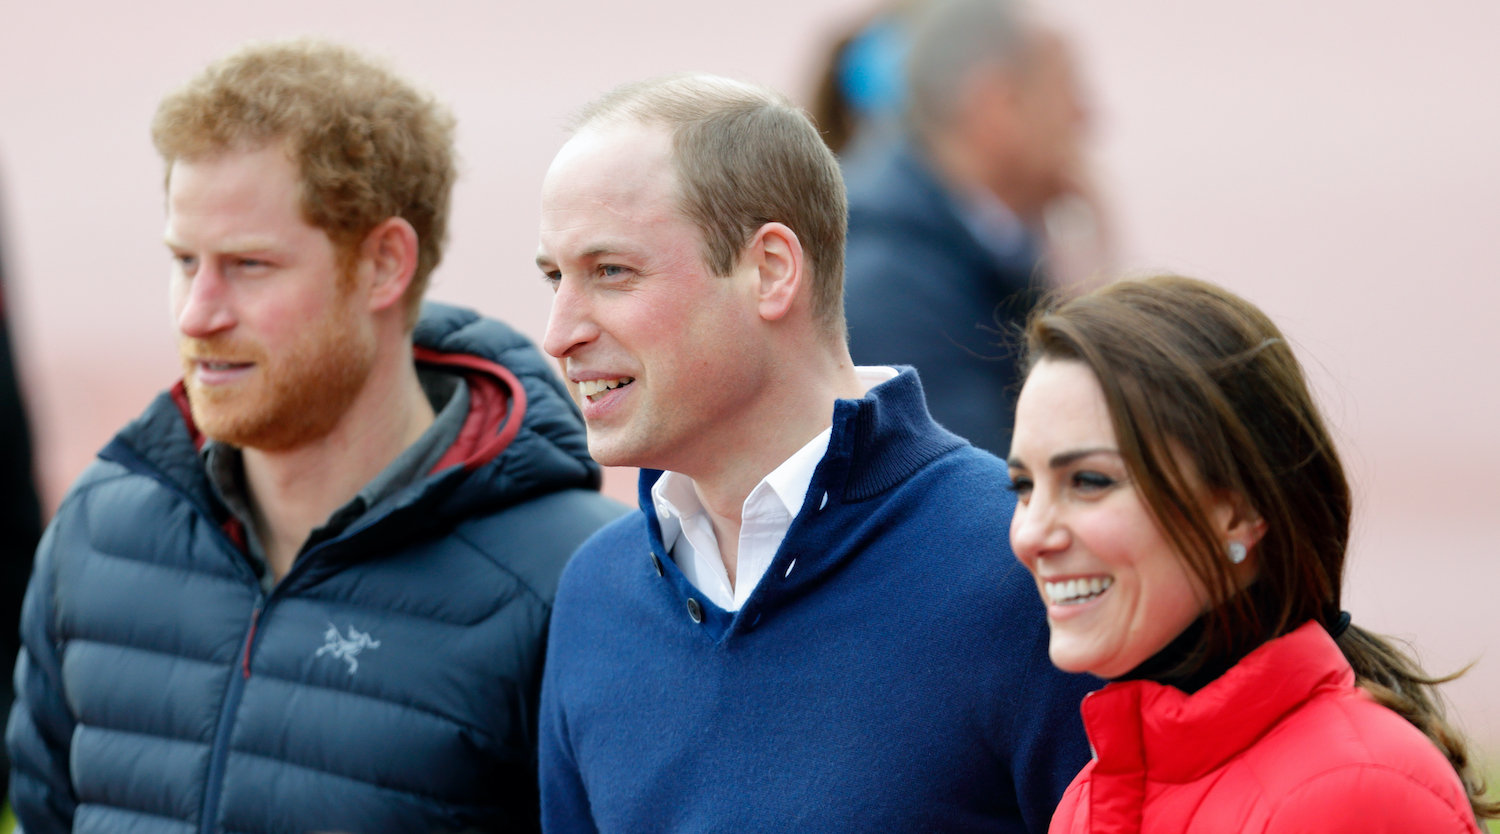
(606, 453)
(618, 446)
(1068, 663)
(1069, 656)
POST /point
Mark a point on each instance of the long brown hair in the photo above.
(1193, 374)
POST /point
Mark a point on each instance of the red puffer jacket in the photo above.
(1283, 742)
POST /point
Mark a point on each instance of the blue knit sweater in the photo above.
(889, 673)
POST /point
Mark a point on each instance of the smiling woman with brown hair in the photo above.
(1186, 517)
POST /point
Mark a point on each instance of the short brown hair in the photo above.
(367, 144)
(1203, 390)
(745, 156)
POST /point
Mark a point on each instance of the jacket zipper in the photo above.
(219, 753)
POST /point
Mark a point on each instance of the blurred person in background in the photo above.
(857, 100)
(1186, 517)
(20, 511)
(947, 222)
(308, 589)
(812, 624)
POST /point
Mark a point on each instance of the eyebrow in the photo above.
(598, 250)
(234, 248)
(1062, 459)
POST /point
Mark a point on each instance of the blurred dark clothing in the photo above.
(929, 284)
(20, 515)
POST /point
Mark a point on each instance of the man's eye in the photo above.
(612, 270)
(553, 278)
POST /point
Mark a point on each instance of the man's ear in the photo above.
(389, 253)
(776, 254)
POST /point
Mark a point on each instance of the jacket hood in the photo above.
(523, 437)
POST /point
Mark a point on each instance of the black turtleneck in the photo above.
(1181, 663)
(1174, 665)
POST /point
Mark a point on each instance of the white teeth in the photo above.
(591, 387)
(1075, 591)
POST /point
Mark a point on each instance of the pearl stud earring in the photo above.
(1237, 553)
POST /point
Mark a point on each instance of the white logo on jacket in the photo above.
(347, 648)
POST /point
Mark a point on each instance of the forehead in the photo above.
(1061, 405)
(234, 191)
(611, 177)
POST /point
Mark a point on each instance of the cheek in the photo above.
(706, 334)
(1174, 592)
(286, 312)
(640, 329)
(1114, 537)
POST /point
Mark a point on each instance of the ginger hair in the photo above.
(368, 145)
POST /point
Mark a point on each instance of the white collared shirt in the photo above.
(767, 514)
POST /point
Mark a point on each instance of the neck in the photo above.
(1194, 659)
(797, 407)
(293, 492)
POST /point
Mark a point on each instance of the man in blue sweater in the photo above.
(815, 623)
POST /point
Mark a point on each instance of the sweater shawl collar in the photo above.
(1144, 731)
(877, 443)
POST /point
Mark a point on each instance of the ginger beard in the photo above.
(293, 398)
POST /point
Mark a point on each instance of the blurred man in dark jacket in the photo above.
(944, 252)
(308, 589)
(20, 512)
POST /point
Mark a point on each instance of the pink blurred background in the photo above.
(1336, 161)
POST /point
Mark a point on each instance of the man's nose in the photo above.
(570, 323)
(204, 307)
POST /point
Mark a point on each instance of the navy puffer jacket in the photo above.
(388, 683)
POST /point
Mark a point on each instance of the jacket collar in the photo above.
(497, 406)
(1145, 731)
(523, 435)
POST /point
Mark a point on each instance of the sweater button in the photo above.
(656, 563)
(695, 610)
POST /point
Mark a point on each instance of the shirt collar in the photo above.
(676, 500)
